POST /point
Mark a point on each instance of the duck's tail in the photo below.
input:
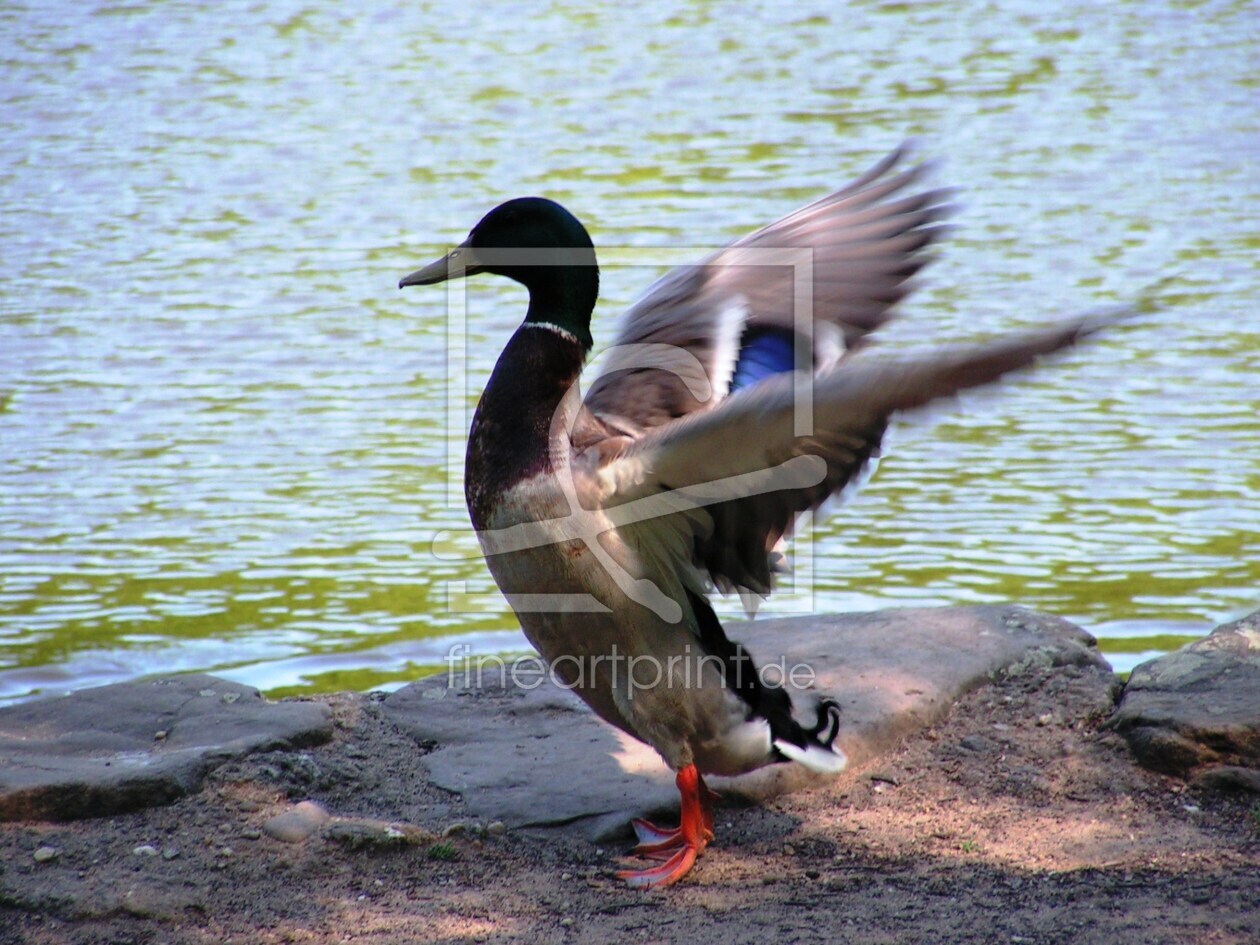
(815, 748)
(771, 705)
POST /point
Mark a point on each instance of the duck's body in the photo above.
(606, 520)
(651, 676)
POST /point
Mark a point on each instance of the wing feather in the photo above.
(753, 486)
(865, 243)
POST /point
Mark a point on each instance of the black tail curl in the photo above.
(764, 700)
(828, 727)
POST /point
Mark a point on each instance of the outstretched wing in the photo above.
(680, 344)
(736, 477)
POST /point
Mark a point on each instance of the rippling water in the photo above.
(224, 434)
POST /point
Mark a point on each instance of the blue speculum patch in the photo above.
(765, 351)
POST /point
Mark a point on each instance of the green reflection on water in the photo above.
(1163, 642)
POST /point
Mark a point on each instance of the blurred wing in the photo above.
(680, 345)
(736, 477)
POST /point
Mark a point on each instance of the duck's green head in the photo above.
(539, 244)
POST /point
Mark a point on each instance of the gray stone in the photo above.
(1197, 706)
(537, 757)
(1227, 778)
(297, 823)
(977, 743)
(93, 753)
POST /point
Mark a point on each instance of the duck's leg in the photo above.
(679, 847)
(654, 841)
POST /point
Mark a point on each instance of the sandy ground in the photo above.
(1017, 820)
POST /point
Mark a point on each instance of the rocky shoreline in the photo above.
(992, 796)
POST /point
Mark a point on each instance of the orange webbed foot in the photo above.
(671, 871)
(678, 847)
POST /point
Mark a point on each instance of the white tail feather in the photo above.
(815, 757)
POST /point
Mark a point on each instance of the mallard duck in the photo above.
(732, 403)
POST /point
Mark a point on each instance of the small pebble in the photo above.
(498, 828)
(251, 833)
(566, 922)
(1192, 808)
(44, 854)
(1045, 719)
(566, 876)
(455, 829)
(294, 826)
(170, 853)
(145, 849)
(789, 850)
(159, 735)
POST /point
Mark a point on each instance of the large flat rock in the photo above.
(1198, 706)
(538, 758)
(136, 744)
